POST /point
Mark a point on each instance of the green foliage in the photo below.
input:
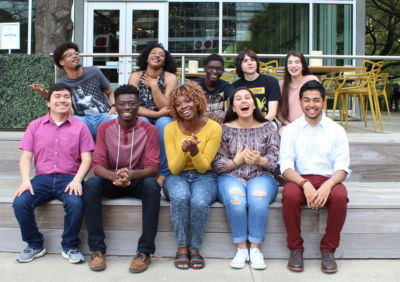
(19, 104)
(382, 32)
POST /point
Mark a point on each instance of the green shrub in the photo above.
(19, 104)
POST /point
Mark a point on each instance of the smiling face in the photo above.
(243, 104)
(214, 70)
(294, 66)
(127, 106)
(60, 102)
(312, 104)
(70, 59)
(156, 57)
(249, 65)
(186, 108)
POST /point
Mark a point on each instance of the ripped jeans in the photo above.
(247, 207)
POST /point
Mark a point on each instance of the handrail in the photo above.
(194, 55)
(197, 55)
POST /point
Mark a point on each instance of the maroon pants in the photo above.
(292, 201)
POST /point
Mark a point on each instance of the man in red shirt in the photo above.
(61, 146)
(126, 161)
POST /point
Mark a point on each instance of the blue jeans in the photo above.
(46, 188)
(191, 194)
(93, 121)
(160, 123)
(247, 206)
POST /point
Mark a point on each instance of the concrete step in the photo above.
(371, 229)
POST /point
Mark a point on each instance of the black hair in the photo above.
(169, 64)
(58, 53)
(214, 57)
(231, 115)
(126, 89)
(312, 85)
(240, 58)
(287, 79)
(57, 87)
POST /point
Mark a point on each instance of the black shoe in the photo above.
(295, 262)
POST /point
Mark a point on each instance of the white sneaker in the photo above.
(257, 259)
(240, 259)
(73, 255)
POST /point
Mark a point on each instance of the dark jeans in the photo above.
(146, 189)
(47, 188)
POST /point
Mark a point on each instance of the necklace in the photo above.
(119, 146)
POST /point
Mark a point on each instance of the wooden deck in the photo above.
(371, 230)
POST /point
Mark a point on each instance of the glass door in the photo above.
(122, 28)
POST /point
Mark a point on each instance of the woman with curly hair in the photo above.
(297, 74)
(155, 79)
(245, 162)
(191, 142)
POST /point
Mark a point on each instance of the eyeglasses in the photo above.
(70, 54)
(212, 68)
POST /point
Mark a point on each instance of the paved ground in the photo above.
(55, 268)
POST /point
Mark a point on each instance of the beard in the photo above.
(77, 67)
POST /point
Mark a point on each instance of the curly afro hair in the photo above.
(58, 53)
(169, 64)
(194, 92)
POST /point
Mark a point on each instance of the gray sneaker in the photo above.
(73, 255)
(29, 254)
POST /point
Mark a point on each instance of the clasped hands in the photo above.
(121, 177)
(317, 198)
(190, 145)
(245, 155)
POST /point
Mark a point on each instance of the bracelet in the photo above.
(112, 105)
(304, 181)
(80, 182)
(234, 163)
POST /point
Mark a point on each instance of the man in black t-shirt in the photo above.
(264, 87)
(217, 91)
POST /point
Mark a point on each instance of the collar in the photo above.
(47, 118)
(323, 122)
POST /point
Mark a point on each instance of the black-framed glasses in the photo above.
(69, 54)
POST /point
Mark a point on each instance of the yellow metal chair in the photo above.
(355, 86)
(270, 68)
(379, 86)
(229, 76)
(329, 83)
(179, 76)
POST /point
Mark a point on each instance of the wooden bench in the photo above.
(371, 230)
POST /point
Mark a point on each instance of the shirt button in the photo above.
(56, 140)
(55, 166)
(55, 153)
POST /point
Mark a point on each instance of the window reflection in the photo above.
(106, 40)
(17, 11)
(333, 31)
(265, 28)
(193, 27)
(144, 29)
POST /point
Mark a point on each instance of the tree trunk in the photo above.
(53, 24)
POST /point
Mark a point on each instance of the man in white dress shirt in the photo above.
(314, 159)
